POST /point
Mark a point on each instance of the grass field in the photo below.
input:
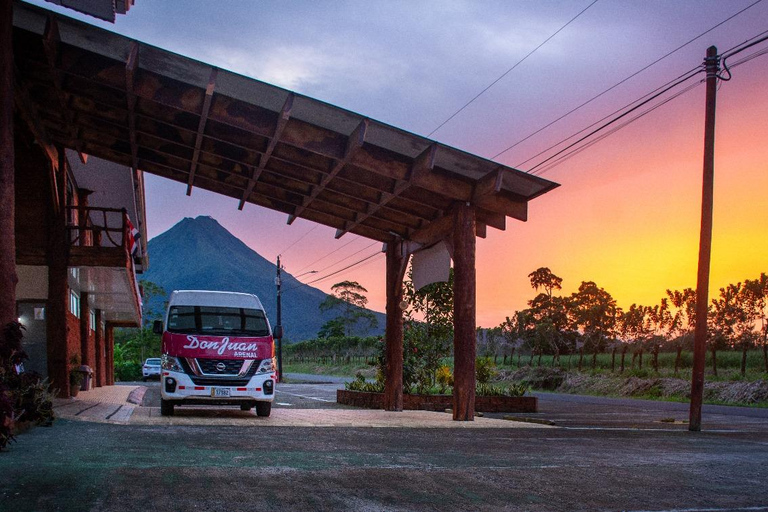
(728, 387)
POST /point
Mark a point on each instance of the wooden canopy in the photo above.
(106, 95)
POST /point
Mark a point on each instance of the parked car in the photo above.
(151, 368)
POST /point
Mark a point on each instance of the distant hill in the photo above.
(199, 254)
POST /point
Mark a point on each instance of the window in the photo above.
(217, 321)
(93, 320)
(74, 303)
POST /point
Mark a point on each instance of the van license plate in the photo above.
(218, 392)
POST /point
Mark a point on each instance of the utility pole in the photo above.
(712, 63)
(278, 282)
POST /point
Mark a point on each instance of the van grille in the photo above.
(228, 377)
(220, 366)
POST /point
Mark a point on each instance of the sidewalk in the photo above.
(106, 404)
(113, 404)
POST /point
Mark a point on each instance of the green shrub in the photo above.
(127, 371)
(23, 397)
(444, 378)
(359, 384)
(513, 390)
(485, 370)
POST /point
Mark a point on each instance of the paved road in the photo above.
(103, 467)
(295, 396)
(608, 454)
(571, 411)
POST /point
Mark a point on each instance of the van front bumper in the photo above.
(178, 388)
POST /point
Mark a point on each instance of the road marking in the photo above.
(308, 397)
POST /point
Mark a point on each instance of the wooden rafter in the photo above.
(282, 121)
(51, 40)
(131, 64)
(354, 143)
(487, 193)
(422, 165)
(201, 127)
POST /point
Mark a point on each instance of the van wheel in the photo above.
(263, 408)
(246, 407)
(166, 408)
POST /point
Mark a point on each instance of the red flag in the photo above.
(133, 236)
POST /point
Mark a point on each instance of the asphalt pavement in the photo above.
(603, 454)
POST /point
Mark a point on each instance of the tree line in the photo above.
(590, 322)
(586, 323)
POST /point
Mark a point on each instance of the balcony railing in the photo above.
(97, 227)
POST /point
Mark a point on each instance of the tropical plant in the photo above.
(23, 396)
(348, 298)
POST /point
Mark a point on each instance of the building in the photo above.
(80, 232)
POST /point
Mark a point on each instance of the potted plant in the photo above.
(75, 376)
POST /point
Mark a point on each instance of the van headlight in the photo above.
(170, 363)
(267, 366)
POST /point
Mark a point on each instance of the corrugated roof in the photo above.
(115, 98)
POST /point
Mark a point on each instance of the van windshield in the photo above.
(217, 321)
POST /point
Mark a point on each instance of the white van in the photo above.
(217, 349)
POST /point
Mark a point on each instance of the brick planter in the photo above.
(439, 402)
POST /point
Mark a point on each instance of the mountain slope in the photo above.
(199, 254)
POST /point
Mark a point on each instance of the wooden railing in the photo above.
(97, 227)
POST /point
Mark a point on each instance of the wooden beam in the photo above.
(464, 313)
(51, 40)
(502, 203)
(421, 166)
(437, 230)
(354, 143)
(492, 219)
(488, 184)
(201, 127)
(487, 193)
(282, 121)
(131, 65)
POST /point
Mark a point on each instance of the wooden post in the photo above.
(85, 320)
(8, 277)
(712, 62)
(109, 345)
(100, 352)
(58, 292)
(393, 384)
(464, 286)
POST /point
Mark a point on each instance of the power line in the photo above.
(623, 81)
(643, 100)
(510, 69)
(298, 239)
(589, 144)
(357, 237)
(377, 253)
(357, 266)
(569, 151)
(347, 257)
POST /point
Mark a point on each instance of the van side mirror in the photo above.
(278, 332)
(157, 327)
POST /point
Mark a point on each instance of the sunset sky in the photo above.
(627, 213)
